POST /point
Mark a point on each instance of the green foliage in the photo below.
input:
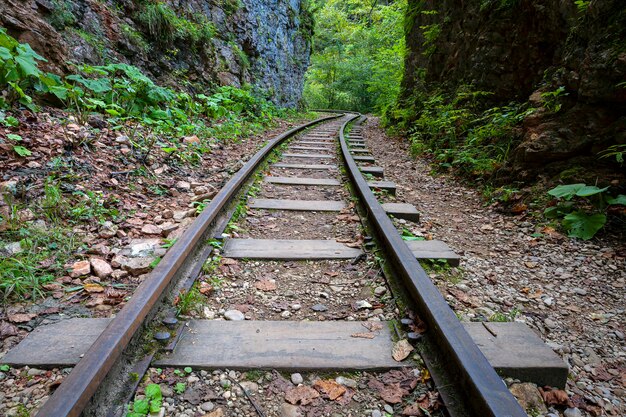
(150, 404)
(498, 4)
(135, 37)
(584, 217)
(458, 133)
(180, 388)
(505, 317)
(18, 71)
(188, 301)
(616, 151)
(163, 23)
(431, 34)
(153, 117)
(22, 274)
(229, 7)
(582, 5)
(358, 51)
(8, 121)
(551, 100)
(61, 15)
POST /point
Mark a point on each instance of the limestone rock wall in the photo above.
(265, 43)
(518, 49)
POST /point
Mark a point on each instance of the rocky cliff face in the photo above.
(265, 43)
(518, 49)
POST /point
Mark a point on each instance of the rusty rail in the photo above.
(74, 394)
(486, 393)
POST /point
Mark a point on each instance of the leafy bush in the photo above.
(585, 217)
(458, 133)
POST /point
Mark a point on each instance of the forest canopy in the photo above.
(358, 52)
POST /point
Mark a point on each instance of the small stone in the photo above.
(388, 409)
(379, 291)
(285, 314)
(108, 230)
(191, 140)
(377, 413)
(135, 266)
(550, 323)
(207, 406)
(289, 410)
(528, 396)
(11, 249)
(166, 391)
(151, 229)
(296, 307)
(572, 412)
(297, 379)
(217, 413)
(122, 139)
(35, 372)
(101, 268)
(167, 214)
(346, 382)
(167, 228)
(249, 386)
(234, 315)
(80, 268)
(319, 307)
(144, 248)
(183, 185)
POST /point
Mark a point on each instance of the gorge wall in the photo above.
(200, 43)
(518, 49)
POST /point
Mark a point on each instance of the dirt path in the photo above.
(569, 291)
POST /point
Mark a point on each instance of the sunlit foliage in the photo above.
(358, 51)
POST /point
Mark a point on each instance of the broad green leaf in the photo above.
(153, 391)
(15, 137)
(583, 225)
(59, 91)
(22, 151)
(5, 53)
(27, 66)
(589, 190)
(620, 199)
(155, 406)
(98, 86)
(412, 238)
(141, 406)
(25, 50)
(159, 114)
(566, 191)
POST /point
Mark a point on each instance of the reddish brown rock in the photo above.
(101, 268)
(80, 268)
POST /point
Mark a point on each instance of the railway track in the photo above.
(317, 209)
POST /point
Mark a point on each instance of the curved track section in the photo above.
(78, 388)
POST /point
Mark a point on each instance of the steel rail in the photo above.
(74, 394)
(486, 394)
